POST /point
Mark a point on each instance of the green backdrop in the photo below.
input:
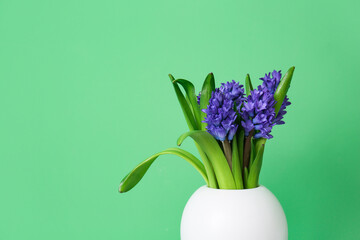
(84, 97)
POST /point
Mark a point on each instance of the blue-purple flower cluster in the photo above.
(257, 111)
(278, 120)
(220, 113)
(271, 84)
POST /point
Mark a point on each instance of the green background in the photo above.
(84, 97)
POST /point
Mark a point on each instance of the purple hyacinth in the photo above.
(198, 98)
(233, 91)
(258, 113)
(278, 120)
(220, 113)
(271, 83)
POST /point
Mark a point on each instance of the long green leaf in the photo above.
(248, 85)
(256, 148)
(282, 89)
(212, 149)
(139, 171)
(253, 179)
(207, 88)
(190, 93)
(246, 174)
(252, 153)
(236, 169)
(189, 117)
(208, 167)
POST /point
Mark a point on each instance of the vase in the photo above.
(244, 214)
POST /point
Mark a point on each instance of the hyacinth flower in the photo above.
(271, 82)
(221, 114)
(258, 114)
(229, 128)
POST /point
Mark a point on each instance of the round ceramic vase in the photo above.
(246, 214)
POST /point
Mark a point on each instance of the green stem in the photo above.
(247, 149)
(227, 151)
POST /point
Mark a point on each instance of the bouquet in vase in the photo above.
(230, 125)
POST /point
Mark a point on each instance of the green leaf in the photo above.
(208, 167)
(283, 88)
(207, 88)
(189, 117)
(216, 156)
(191, 95)
(258, 143)
(192, 126)
(236, 168)
(248, 85)
(252, 153)
(253, 179)
(246, 175)
(139, 171)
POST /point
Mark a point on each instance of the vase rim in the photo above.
(233, 190)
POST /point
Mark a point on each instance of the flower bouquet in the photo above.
(229, 125)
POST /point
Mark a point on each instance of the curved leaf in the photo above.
(139, 171)
(190, 93)
(192, 126)
(208, 167)
(207, 88)
(189, 117)
(212, 149)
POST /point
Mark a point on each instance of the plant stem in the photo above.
(247, 149)
(227, 151)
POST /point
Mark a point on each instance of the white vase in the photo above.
(220, 214)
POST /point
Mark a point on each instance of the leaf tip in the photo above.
(181, 139)
(123, 188)
(171, 77)
(120, 188)
(291, 70)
